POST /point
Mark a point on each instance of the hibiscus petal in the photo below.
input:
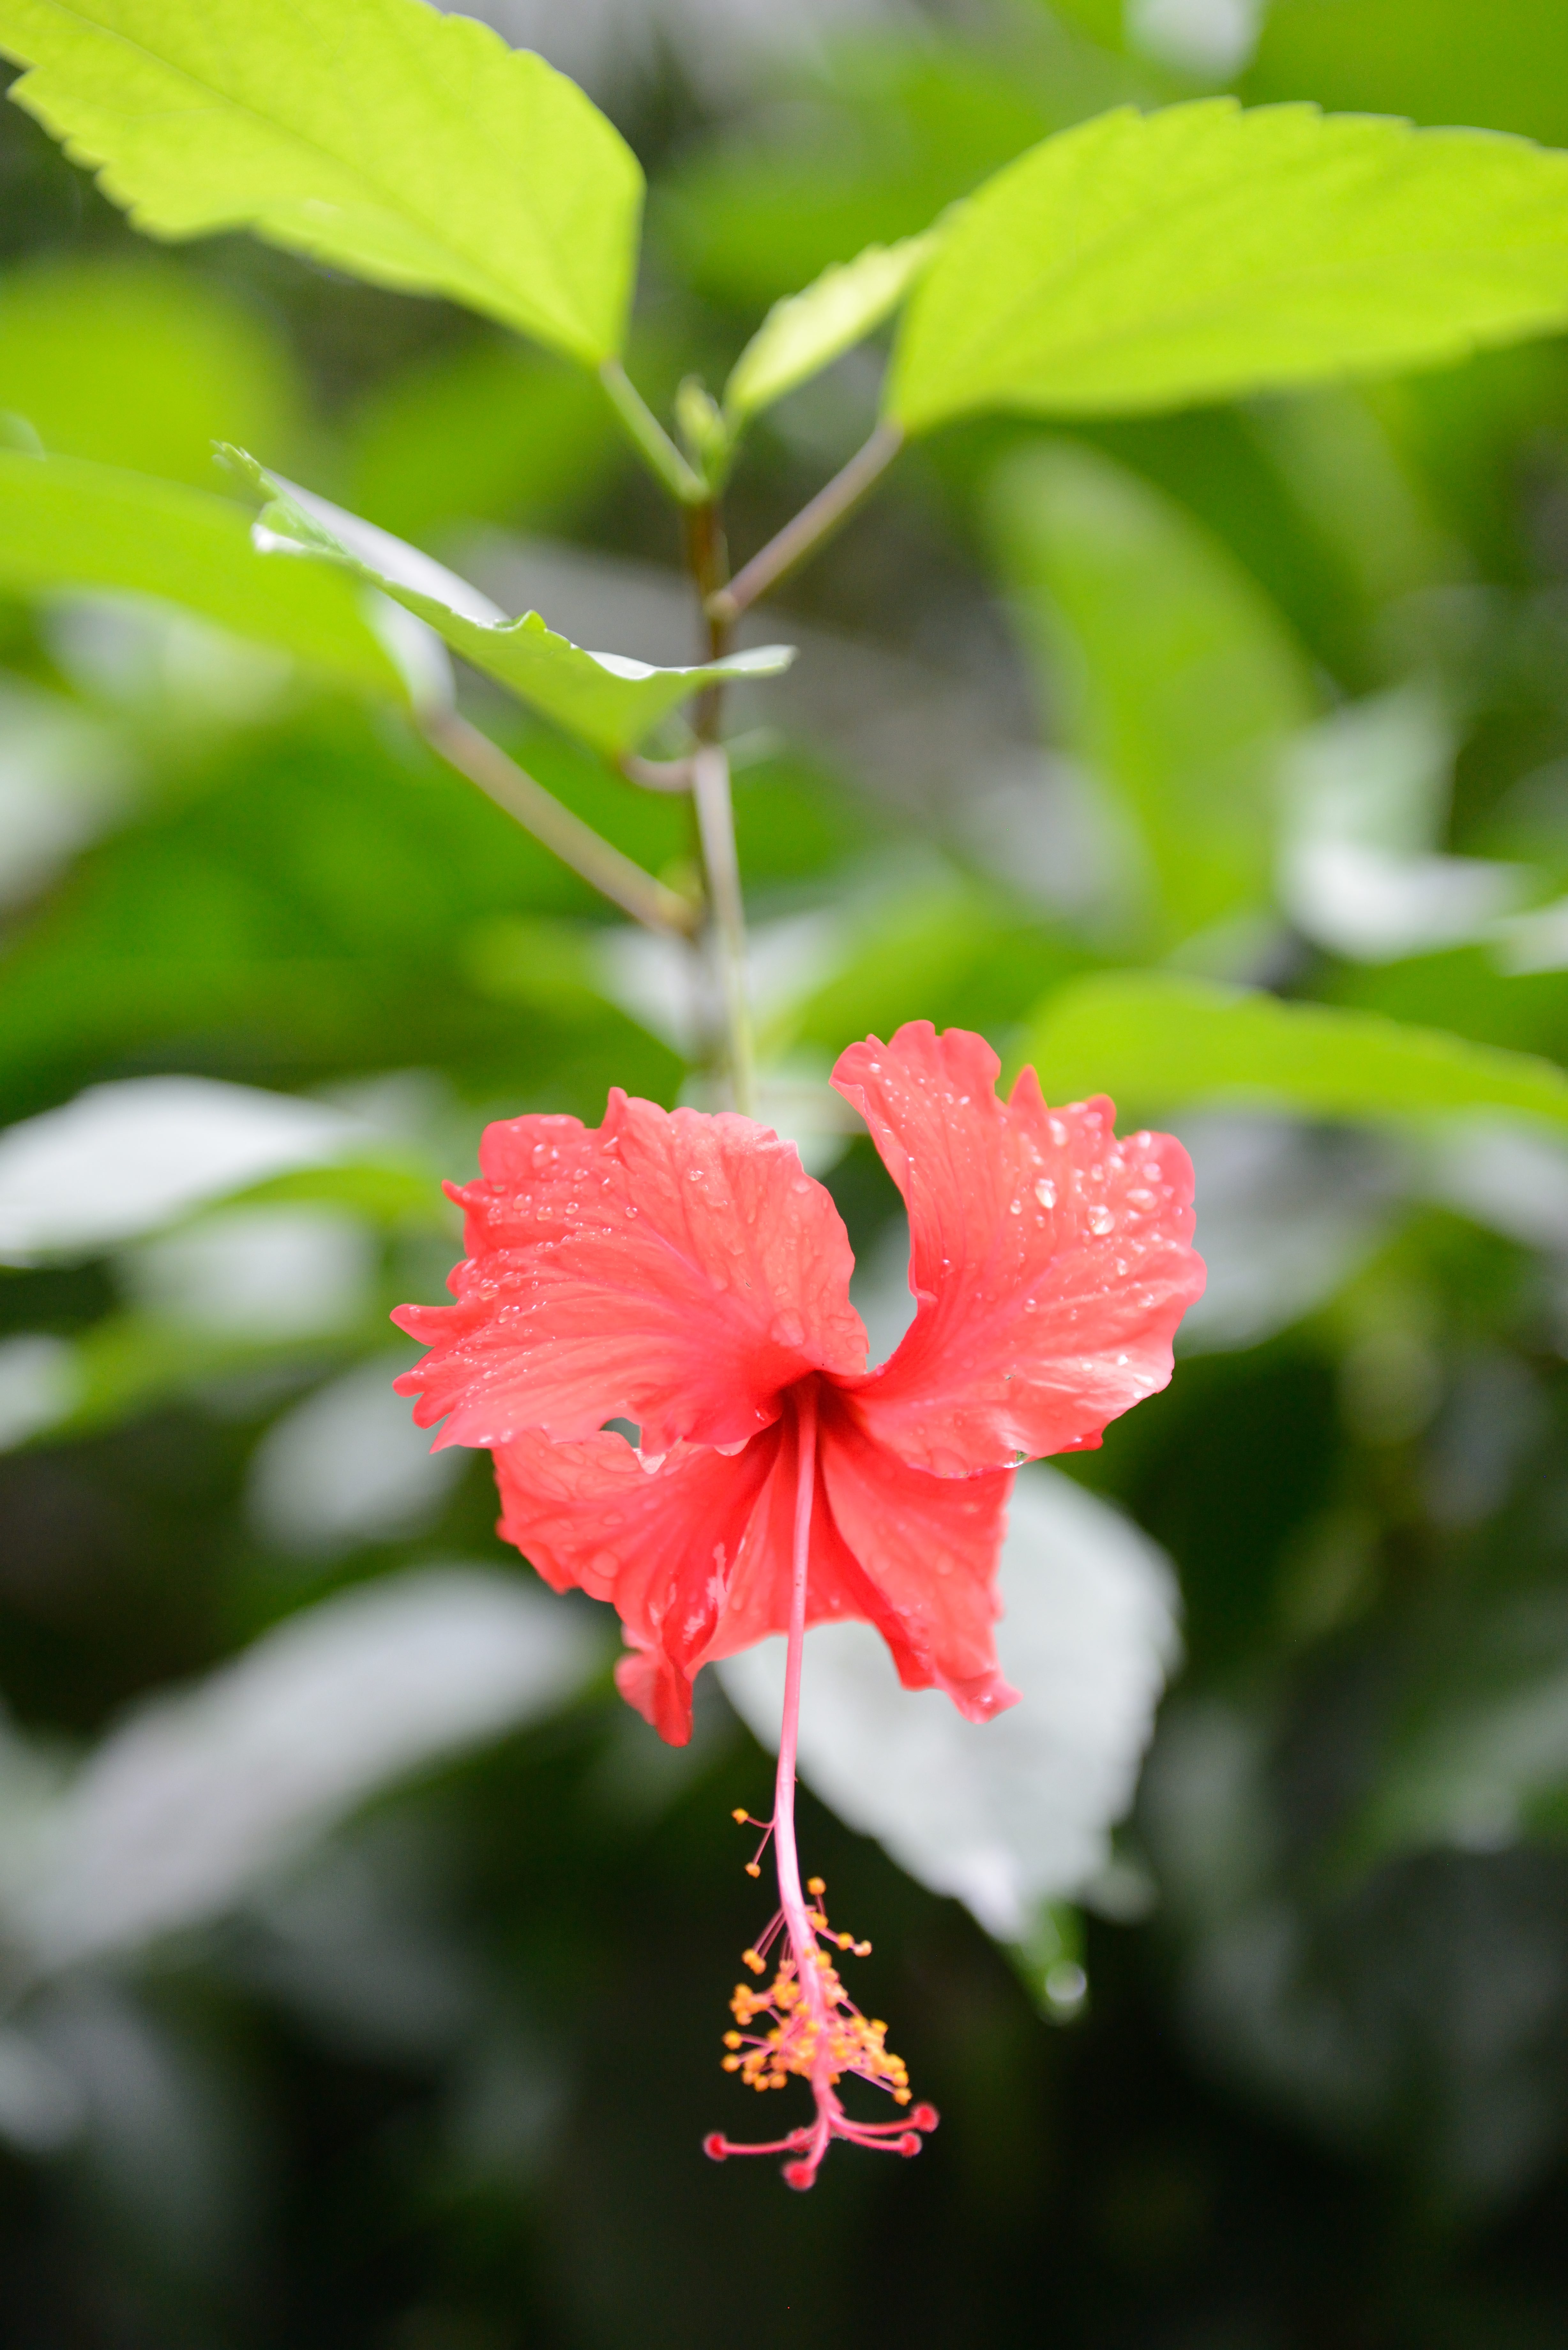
(660, 1545)
(926, 1549)
(1052, 1263)
(672, 1269)
(912, 1555)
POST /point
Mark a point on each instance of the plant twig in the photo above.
(652, 441)
(812, 524)
(565, 836)
(657, 774)
(716, 831)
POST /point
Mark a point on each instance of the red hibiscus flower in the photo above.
(683, 1273)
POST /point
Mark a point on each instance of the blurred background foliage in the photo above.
(365, 1990)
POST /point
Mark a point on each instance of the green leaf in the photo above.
(1439, 60)
(65, 523)
(809, 330)
(379, 136)
(1176, 681)
(135, 361)
(1148, 261)
(1154, 1041)
(605, 699)
(485, 433)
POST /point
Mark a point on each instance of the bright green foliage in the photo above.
(410, 147)
(489, 432)
(1176, 681)
(806, 332)
(605, 699)
(66, 522)
(1439, 60)
(334, 907)
(1144, 261)
(1153, 1040)
(143, 365)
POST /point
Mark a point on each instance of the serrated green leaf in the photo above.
(1177, 682)
(1156, 1041)
(408, 147)
(605, 699)
(66, 522)
(809, 330)
(1148, 261)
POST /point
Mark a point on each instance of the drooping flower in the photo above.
(681, 1272)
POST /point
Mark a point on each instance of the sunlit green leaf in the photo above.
(806, 332)
(65, 523)
(1144, 261)
(605, 699)
(1176, 680)
(408, 147)
(1153, 1040)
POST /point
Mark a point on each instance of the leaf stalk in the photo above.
(595, 860)
(810, 529)
(650, 440)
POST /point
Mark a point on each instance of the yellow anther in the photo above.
(754, 1869)
(815, 2030)
(740, 1815)
(816, 1885)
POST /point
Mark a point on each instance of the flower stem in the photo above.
(790, 1897)
(727, 918)
(724, 939)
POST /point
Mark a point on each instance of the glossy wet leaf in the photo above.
(1149, 261)
(381, 137)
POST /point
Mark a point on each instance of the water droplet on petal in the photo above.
(1102, 1222)
(1046, 1192)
